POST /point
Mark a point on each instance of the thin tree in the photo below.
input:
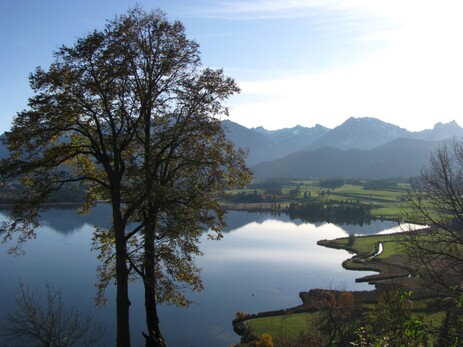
(436, 200)
(125, 112)
(49, 323)
(338, 317)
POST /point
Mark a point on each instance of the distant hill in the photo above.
(441, 131)
(323, 152)
(398, 158)
(259, 147)
(360, 133)
(290, 140)
(264, 145)
(359, 147)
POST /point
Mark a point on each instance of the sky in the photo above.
(297, 62)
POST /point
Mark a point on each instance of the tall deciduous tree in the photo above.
(129, 113)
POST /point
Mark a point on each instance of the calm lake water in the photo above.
(261, 264)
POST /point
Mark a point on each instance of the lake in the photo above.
(261, 264)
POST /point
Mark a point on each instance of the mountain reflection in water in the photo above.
(261, 264)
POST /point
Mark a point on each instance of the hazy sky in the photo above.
(296, 61)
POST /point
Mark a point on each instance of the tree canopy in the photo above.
(129, 114)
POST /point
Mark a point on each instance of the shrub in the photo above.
(265, 340)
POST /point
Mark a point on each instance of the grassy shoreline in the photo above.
(390, 265)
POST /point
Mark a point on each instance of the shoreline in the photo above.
(390, 275)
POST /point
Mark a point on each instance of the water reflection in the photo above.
(274, 241)
(66, 220)
(261, 264)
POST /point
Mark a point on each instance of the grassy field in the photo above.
(292, 325)
(368, 245)
(288, 325)
(387, 203)
(388, 263)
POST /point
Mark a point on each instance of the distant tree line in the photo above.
(380, 184)
(331, 183)
(73, 193)
(338, 212)
(253, 197)
(272, 184)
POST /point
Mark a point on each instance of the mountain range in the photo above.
(359, 147)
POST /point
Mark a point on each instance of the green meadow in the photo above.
(386, 201)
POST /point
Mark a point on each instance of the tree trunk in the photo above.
(122, 296)
(154, 337)
(122, 279)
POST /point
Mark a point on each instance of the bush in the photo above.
(265, 340)
(241, 315)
